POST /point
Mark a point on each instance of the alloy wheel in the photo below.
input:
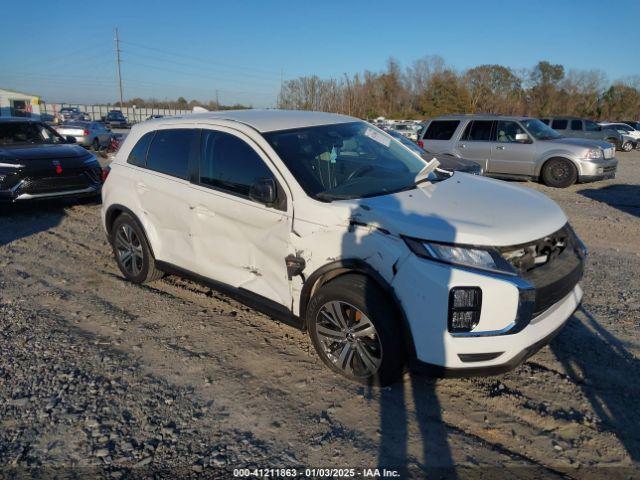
(129, 250)
(349, 339)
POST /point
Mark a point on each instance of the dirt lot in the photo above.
(173, 378)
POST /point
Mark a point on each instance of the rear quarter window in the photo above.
(441, 129)
(138, 155)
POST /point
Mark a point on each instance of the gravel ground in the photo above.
(102, 377)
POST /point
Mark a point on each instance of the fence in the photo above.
(96, 112)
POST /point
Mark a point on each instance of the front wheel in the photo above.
(354, 328)
(559, 173)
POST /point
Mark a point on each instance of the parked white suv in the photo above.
(328, 223)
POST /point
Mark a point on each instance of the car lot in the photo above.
(174, 375)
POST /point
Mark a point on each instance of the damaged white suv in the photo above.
(328, 223)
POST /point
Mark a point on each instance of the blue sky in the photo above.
(64, 50)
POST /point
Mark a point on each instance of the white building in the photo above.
(18, 104)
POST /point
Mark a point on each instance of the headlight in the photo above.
(471, 257)
(595, 153)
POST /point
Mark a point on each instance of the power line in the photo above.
(202, 59)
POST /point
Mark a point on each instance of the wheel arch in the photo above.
(561, 156)
(114, 211)
(333, 270)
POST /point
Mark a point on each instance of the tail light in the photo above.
(86, 133)
(105, 173)
(420, 143)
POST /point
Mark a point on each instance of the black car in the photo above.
(37, 163)
(116, 119)
(447, 162)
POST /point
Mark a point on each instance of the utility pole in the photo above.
(118, 66)
(217, 101)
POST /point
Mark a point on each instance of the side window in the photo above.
(169, 152)
(229, 163)
(138, 155)
(478, 130)
(590, 126)
(441, 129)
(507, 131)
(576, 124)
(559, 124)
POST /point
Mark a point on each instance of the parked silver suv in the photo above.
(520, 148)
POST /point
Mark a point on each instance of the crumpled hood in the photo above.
(41, 152)
(465, 209)
(582, 142)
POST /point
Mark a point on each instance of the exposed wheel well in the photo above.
(342, 267)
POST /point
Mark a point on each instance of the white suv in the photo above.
(328, 223)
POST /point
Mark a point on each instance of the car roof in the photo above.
(480, 116)
(264, 120)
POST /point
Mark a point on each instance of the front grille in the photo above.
(55, 184)
(553, 265)
(609, 152)
(609, 169)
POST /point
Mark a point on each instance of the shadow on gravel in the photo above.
(20, 221)
(395, 435)
(623, 197)
(23, 220)
(607, 373)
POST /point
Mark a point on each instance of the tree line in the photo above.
(180, 104)
(428, 87)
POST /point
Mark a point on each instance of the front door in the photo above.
(236, 240)
(509, 156)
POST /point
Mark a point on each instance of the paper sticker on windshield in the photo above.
(377, 136)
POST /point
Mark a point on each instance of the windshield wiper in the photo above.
(423, 175)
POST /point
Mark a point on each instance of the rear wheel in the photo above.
(559, 173)
(132, 251)
(354, 328)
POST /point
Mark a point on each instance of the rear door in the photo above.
(476, 142)
(508, 156)
(439, 134)
(162, 188)
(238, 241)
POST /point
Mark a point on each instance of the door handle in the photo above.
(500, 147)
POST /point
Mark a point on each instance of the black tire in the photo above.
(376, 308)
(138, 270)
(627, 146)
(559, 173)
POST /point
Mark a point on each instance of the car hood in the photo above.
(22, 153)
(465, 209)
(582, 142)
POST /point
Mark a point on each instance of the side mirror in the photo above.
(522, 138)
(264, 191)
(70, 139)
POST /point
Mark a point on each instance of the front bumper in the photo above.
(505, 334)
(598, 170)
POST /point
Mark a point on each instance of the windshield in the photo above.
(20, 133)
(406, 142)
(346, 160)
(539, 130)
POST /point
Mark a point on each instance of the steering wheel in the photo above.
(359, 172)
